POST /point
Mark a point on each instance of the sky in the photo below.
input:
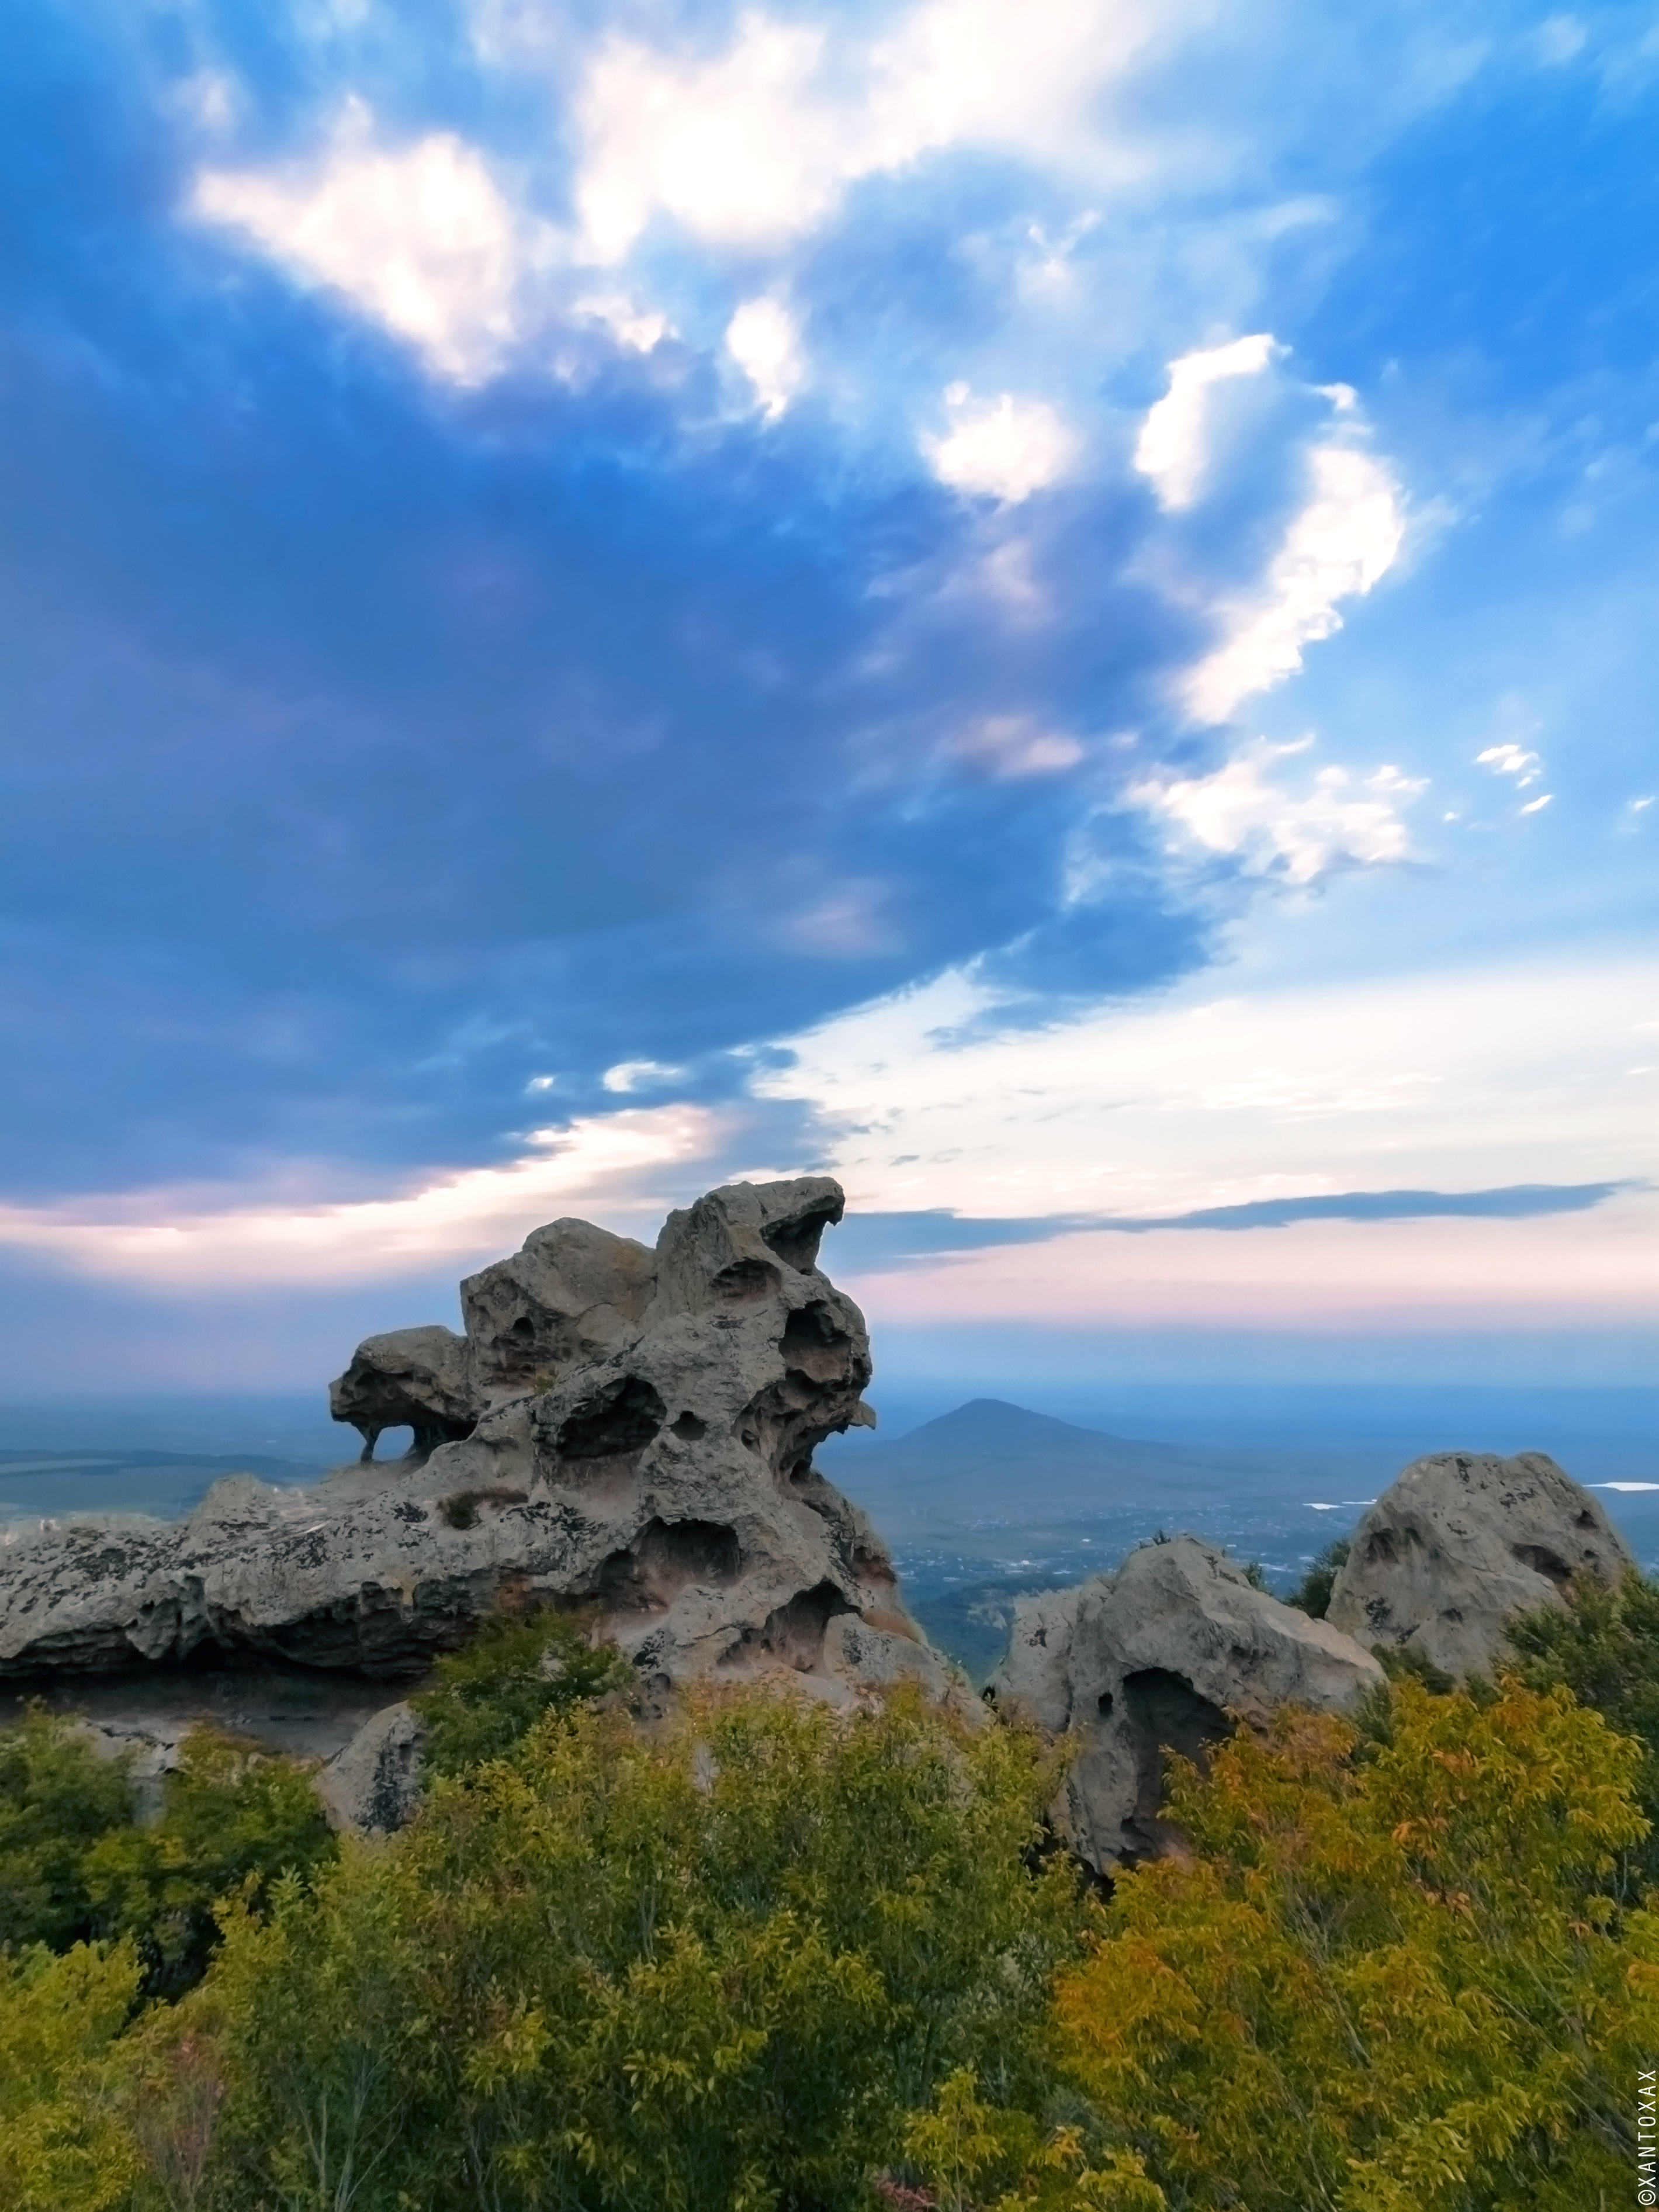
(1049, 608)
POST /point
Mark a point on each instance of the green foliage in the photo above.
(1605, 1648)
(56, 1799)
(63, 2146)
(1388, 1981)
(234, 1818)
(489, 1696)
(713, 1964)
(1312, 1595)
(1256, 1574)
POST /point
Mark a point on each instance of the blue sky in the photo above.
(1050, 607)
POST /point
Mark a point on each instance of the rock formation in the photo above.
(629, 1429)
(1156, 1657)
(1460, 1544)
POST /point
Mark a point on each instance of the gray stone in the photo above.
(373, 1785)
(410, 1378)
(1157, 1658)
(656, 1465)
(1461, 1543)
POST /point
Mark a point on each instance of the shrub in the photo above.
(517, 1668)
(56, 1799)
(1312, 1595)
(711, 1964)
(234, 1818)
(1605, 1648)
(1391, 1978)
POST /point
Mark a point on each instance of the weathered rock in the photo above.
(373, 1785)
(1461, 1543)
(1156, 1657)
(410, 1378)
(658, 1464)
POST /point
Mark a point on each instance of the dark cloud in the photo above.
(868, 1240)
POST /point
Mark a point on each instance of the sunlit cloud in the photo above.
(1173, 449)
(624, 1166)
(1248, 810)
(1343, 541)
(419, 238)
(1003, 449)
(763, 341)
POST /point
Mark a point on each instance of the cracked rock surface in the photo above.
(1461, 1543)
(627, 1428)
(1153, 1658)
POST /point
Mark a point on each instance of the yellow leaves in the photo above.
(63, 2146)
(1388, 1983)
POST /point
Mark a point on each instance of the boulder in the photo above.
(410, 1378)
(1461, 1543)
(1161, 1655)
(372, 1786)
(652, 1461)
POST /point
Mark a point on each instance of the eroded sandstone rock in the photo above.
(650, 1455)
(372, 1786)
(1460, 1544)
(1153, 1658)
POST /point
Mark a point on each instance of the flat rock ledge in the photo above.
(627, 1430)
(1161, 1655)
(1460, 1544)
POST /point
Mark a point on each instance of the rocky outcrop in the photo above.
(1155, 1658)
(636, 1434)
(1461, 1543)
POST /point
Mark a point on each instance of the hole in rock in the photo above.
(523, 1329)
(1168, 1715)
(664, 1559)
(689, 1426)
(1585, 1520)
(745, 1282)
(622, 1417)
(814, 1344)
(400, 1444)
(796, 1241)
(795, 1632)
(1381, 1550)
(1105, 1701)
(1542, 1561)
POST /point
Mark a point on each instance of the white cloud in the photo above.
(420, 238)
(629, 1074)
(1004, 449)
(757, 144)
(1537, 806)
(1342, 541)
(1245, 809)
(1511, 760)
(762, 338)
(1173, 448)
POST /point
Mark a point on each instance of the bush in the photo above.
(1391, 1978)
(62, 2149)
(1312, 1595)
(234, 1818)
(1605, 1648)
(56, 1799)
(713, 1965)
(488, 1696)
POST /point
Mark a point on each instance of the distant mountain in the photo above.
(992, 1461)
